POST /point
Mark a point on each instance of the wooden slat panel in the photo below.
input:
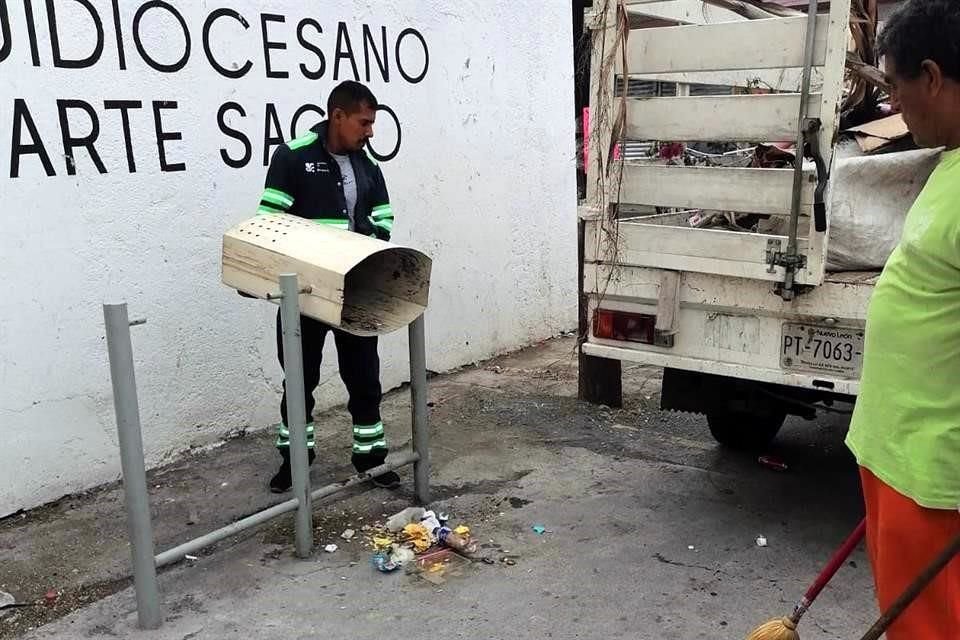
(685, 11)
(728, 268)
(636, 241)
(604, 34)
(731, 268)
(833, 75)
(786, 80)
(846, 301)
(738, 255)
(758, 118)
(668, 302)
(831, 96)
(722, 189)
(752, 44)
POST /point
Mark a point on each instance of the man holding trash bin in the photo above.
(905, 430)
(326, 176)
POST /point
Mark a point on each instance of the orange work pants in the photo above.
(902, 539)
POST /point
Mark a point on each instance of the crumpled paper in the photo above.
(418, 535)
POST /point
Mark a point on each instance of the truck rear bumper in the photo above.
(731, 327)
(720, 368)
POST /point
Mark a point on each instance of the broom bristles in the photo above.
(782, 629)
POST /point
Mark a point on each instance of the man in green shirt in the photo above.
(905, 430)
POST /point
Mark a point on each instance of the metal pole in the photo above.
(296, 418)
(809, 40)
(418, 400)
(172, 555)
(136, 500)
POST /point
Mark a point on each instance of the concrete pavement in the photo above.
(651, 531)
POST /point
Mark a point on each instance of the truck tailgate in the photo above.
(739, 327)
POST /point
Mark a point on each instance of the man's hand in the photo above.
(378, 231)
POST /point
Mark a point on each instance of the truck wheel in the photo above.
(745, 431)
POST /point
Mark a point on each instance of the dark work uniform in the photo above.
(304, 179)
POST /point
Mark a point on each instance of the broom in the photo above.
(786, 628)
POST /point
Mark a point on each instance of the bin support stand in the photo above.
(418, 402)
(296, 413)
(136, 497)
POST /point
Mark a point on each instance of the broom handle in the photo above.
(839, 557)
(919, 584)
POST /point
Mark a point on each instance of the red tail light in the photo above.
(620, 325)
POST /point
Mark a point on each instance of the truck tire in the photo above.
(745, 431)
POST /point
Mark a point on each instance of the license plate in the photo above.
(822, 349)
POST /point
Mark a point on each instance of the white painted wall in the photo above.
(483, 182)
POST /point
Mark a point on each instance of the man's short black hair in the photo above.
(349, 96)
(923, 30)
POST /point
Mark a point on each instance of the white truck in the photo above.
(748, 323)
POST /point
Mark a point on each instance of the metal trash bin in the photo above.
(359, 284)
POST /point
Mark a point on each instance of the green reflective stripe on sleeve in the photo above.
(386, 225)
(303, 141)
(277, 197)
(382, 214)
(338, 223)
(264, 209)
(367, 448)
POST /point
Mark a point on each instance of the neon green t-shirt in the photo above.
(906, 424)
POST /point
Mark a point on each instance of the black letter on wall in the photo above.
(163, 136)
(426, 56)
(118, 29)
(343, 39)
(4, 31)
(207, 25)
(58, 60)
(21, 116)
(270, 121)
(368, 43)
(296, 118)
(31, 32)
(70, 142)
(164, 68)
(396, 149)
(236, 135)
(269, 45)
(124, 106)
(311, 75)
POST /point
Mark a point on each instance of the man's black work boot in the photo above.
(283, 480)
(363, 462)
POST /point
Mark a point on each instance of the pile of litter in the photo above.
(427, 544)
(415, 532)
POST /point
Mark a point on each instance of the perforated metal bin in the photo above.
(356, 283)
